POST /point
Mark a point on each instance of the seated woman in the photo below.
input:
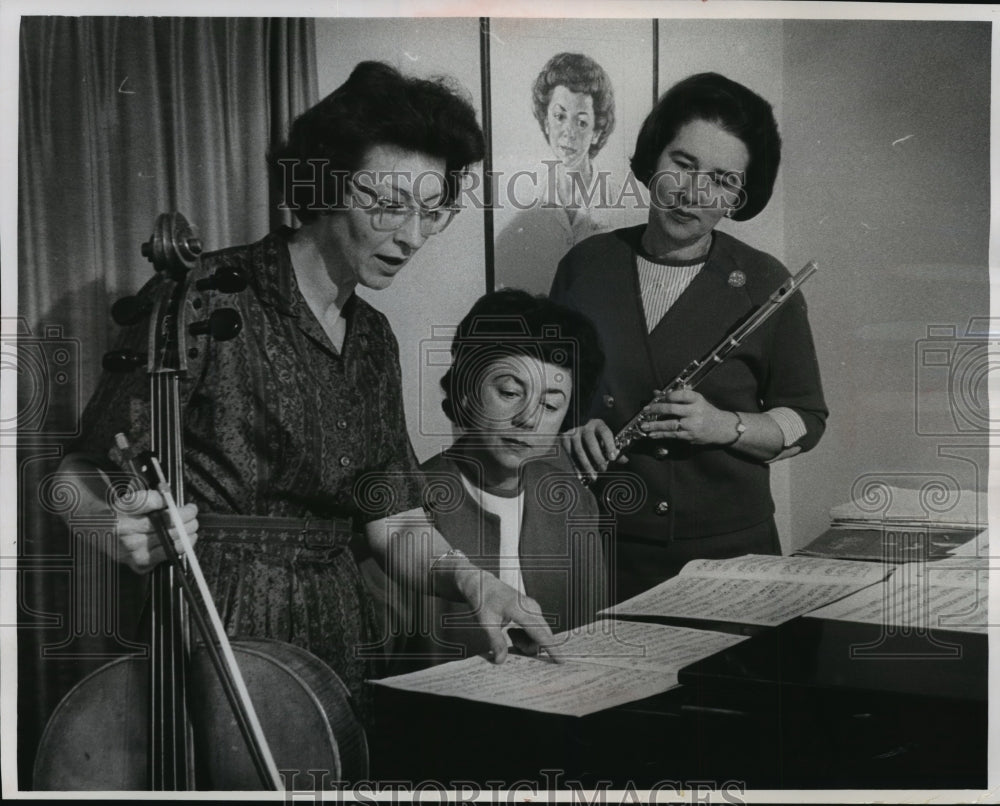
(504, 494)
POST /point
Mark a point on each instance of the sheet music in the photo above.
(946, 599)
(967, 573)
(641, 645)
(767, 567)
(754, 589)
(571, 689)
(605, 665)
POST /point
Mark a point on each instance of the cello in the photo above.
(209, 715)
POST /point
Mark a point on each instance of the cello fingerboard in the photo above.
(170, 748)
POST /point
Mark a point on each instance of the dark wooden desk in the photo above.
(810, 704)
(841, 705)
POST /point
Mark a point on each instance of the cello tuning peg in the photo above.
(129, 310)
(227, 279)
(191, 245)
(122, 360)
(223, 324)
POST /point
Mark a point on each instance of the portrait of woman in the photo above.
(570, 196)
(574, 104)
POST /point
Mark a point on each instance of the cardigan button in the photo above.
(345, 461)
(662, 508)
(662, 453)
(609, 401)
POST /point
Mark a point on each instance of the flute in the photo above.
(695, 372)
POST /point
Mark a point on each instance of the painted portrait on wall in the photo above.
(568, 98)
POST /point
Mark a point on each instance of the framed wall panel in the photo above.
(532, 230)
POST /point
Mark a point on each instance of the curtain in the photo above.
(120, 119)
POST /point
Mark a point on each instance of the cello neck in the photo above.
(171, 749)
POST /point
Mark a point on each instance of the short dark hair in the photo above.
(377, 105)
(578, 73)
(737, 109)
(512, 322)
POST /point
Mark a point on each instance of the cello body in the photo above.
(98, 736)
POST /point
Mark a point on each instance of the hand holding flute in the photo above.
(680, 413)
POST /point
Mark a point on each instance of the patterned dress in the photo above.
(278, 423)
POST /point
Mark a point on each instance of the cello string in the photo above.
(156, 760)
(177, 470)
(180, 756)
(176, 717)
(168, 772)
(168, 776)
(184, 639)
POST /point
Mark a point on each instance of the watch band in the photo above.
(740, 429)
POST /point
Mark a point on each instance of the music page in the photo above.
(754, 589)
(605, 664)
(936, 599)
(639, 645)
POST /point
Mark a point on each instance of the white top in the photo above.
(509, 509)
(660, 285)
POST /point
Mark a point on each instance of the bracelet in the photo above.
(456, 553)
(740, 428)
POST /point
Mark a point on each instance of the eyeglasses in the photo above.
(389, 214)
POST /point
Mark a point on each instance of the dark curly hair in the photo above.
(738, 110)
(377, 105)
(513, 322)
(578, 73)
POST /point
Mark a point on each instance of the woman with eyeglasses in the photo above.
(296, 443)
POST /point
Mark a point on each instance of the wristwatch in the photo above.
(740, 428)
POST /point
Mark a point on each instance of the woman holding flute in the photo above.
(665, 293)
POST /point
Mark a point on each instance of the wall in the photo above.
(887, 184)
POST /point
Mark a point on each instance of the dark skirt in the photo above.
(293, 584)
(640, 563)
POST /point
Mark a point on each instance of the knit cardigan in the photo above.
(691, 491)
